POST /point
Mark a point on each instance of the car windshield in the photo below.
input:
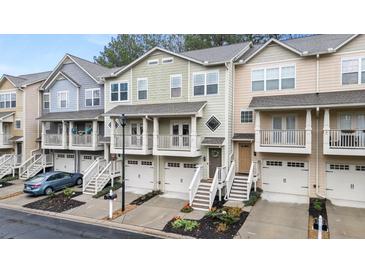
(38, 178)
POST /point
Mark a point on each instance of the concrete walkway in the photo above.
(269, 220)
(346, 222)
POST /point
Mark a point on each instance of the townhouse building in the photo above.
(19, 109)
(299, 115)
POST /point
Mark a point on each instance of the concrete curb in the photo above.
(102, 223)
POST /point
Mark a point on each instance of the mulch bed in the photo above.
(58, 203)
(145, 198)
(208, 228)
(315, 213)
(5, 184)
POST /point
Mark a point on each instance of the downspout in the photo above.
(317, 137)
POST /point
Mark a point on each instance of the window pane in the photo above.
(89, 102)
(175, 92)
(272, 84)
(350, 65)
(142, 94)
(345, 121)
(258, 74)
(88, 94)
(124, 87)
(124, 96)
(2, 104)
(246, 116)
(63, 104)
(199, 90)
(114, 87)
(272, 73)
(288, 83)
(114, 96)
(350, 78)
(96, 101)
(212, 89)
(142, 85)
(212, 78)
(258, 85)
(199, 79)
(46, 105)
(176, 82)
(288, 72)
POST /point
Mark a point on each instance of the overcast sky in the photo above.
(22, 54)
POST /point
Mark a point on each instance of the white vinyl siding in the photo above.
(175, 85)
(8, 100)
(119, 91)
(142, 88)
(62, 99)
(205, 83)
(273, 78)
(92, 97)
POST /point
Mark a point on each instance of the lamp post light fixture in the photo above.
(123, 122)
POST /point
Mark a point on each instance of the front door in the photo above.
(244, 160)
(215, 160)
(19, 147)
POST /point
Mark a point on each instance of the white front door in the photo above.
(285, 177)
(86, 161)
(345, 182)
(64, 162)
(178, 176)
(139, 174)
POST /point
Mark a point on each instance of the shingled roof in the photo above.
(26, 79)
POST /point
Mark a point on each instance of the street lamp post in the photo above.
(123, 122)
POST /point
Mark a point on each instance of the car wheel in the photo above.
(79, 182)
(48, 191)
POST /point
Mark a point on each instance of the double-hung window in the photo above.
(246, 116)
(8, 100)
(277, 78)
(119, 91)
(46, 100)
(142, 88)
(62, 99)
(205, 83)
(350, 71)
(92, 97)
(175, 85)
(288, 77)
(272, 78)
(258, 80)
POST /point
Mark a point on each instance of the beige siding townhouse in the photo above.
(179, 121)
(299, 114)
(19, 129)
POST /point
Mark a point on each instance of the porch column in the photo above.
(193, 134)
(95, 134)
(2, 133)
(112, 133)
(64, 134)
(326, 128)
(257, 131)
(70, 133)
(145, 134)
(43, 133)
(155, 133)
(308, 130)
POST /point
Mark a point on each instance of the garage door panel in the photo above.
(139, 174)
(64, 162)
(288, 177)
(178, 176)
(345, 182)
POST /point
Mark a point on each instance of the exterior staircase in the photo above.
(239, 190)
(34, 165)
(201, 198)
(7, 164)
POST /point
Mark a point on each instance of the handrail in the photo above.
(92, 171)
(5, 160)
(251, 177)
(105, 170)
(194, 184)
(214, 187)
(230, 178)
(23, 167)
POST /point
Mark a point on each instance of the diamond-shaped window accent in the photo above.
(213, 123)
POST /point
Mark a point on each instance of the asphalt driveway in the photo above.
(345, 222)
(268, 220)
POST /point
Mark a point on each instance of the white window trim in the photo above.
(246, 123)
(283, 120)
(358, 58)
(279, 66)
(167, 59)
(180, 123)
(142, 79)
(92, 96)
(353, 114)
(49, 100)
(119, 82)
(153, 62)
(16, 120)
(205, 83)
(59, 101)
(10, 94)
(175, 75)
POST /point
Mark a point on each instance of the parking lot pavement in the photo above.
(268, 220)
(16, 187)
(345, 222)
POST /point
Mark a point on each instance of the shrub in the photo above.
(187, 208)
(317, 205)
(233, 211)
(254, 197)
(187, 225)
(52, 195)
(226, 215)
(222, 227)
(68, 192)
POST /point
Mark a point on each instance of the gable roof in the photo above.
(205, 57)
(91, 114)
(95, 71)
(24, 80)
(304, 46)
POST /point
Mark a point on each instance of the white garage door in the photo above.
(139, 174)
(64, 162)
(346, 182)
(178, 176)
(285, 177)
(86, 161)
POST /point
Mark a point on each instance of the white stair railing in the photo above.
(194, 185)
(230, 178)
(93, 171)
(251, 178)
(7, 163)
(23, 167)
(214, 187)
(103, 178)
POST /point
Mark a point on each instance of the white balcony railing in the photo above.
(283, 138)
(346, 139)
(174, 142)
(132, 141)
(53, 139)
(5, 139)
(82, 140)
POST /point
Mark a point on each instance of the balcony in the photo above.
(54, 141)
(177, 145)
(138, 144)
(344, 142)
(286, 140)
(5, 141)
(85, 141)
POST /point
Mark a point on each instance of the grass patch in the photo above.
(106, 190)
